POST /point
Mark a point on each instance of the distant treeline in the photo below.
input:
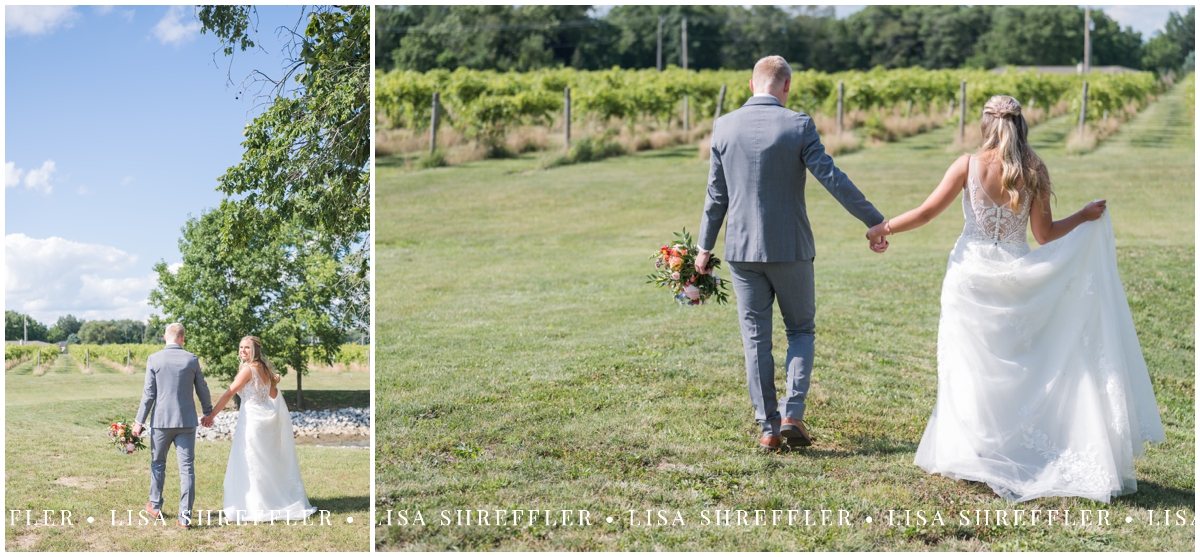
(99, 331)
(528, 37)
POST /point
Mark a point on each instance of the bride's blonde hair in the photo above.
(256, 357)
(1006, 136)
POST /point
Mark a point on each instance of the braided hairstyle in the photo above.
(1005, 136)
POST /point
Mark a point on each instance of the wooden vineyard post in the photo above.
(720, 103)
(908, 110)
(841, 105)
(128, 357)
(1083, 110)
(566, 119)
(39, 360)
(433, 125)
(87, 358)
(962, 115)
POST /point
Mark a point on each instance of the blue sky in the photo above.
(118, 123)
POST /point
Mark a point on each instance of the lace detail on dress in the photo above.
(256, 392)
(1080, 469)
(986, 221)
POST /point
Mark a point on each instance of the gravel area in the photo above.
(309, 423)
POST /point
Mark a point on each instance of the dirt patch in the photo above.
(23, 540)
(357, 441)
(87, 483)
(671, 466)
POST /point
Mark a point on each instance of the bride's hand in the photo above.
(877, 236)
(1094, 210)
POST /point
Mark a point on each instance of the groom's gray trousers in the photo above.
(184, 439)
(757, 286)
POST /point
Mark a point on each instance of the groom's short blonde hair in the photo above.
(769, 71)
(173, 332)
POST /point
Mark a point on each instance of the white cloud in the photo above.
(37, 20)
(52, 277)
(12, 175)
(82, 190)
(175, 267)
(103, 10)
(35, 179)
(126, 180)
(128, 14)
(178, 26)
(39, 178)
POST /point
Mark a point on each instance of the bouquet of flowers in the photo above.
(121, 433)
(676, 270)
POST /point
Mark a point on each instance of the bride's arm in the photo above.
(240, 381)
(1046, 229)
(941, 198)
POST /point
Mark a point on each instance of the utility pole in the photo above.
(660, 23)
(1087, 40)
(686, 112)
(684, 41)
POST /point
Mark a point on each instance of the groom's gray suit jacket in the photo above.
(756, 182)
(172, 375)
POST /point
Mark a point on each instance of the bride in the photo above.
(262, 480)
(1042, 388)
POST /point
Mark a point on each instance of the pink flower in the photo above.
(691, 292)
(129, 448)
(675, 275)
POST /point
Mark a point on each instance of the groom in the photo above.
(171, 375)
(756, 178)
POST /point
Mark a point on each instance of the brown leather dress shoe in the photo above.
(795, 432)
(150, 510)
(183, 525)
(769, 442)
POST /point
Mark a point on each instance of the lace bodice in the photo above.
(989, 222)
(256, 392)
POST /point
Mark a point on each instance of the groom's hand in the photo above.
(137, 430)
(206, 421)
(702, 259)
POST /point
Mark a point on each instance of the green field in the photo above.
(57, 457)
(523, 363)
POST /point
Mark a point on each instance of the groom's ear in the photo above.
(787, 86)
(752, 91)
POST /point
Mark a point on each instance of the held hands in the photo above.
(1093, 210)
(877, 236)
(207, 421)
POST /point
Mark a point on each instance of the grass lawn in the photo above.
(523, 363)
(57, 457)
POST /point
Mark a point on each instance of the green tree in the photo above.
(100, 332)
(15, 327)
(66, 326)
(282, 287)
(305, 165)
(1169, 49)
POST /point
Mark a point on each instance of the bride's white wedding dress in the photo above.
(262, 481)
(1042, 388)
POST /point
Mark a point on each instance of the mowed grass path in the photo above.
(57, 457)
(523, 363)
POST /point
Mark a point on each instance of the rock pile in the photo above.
(309, 423)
